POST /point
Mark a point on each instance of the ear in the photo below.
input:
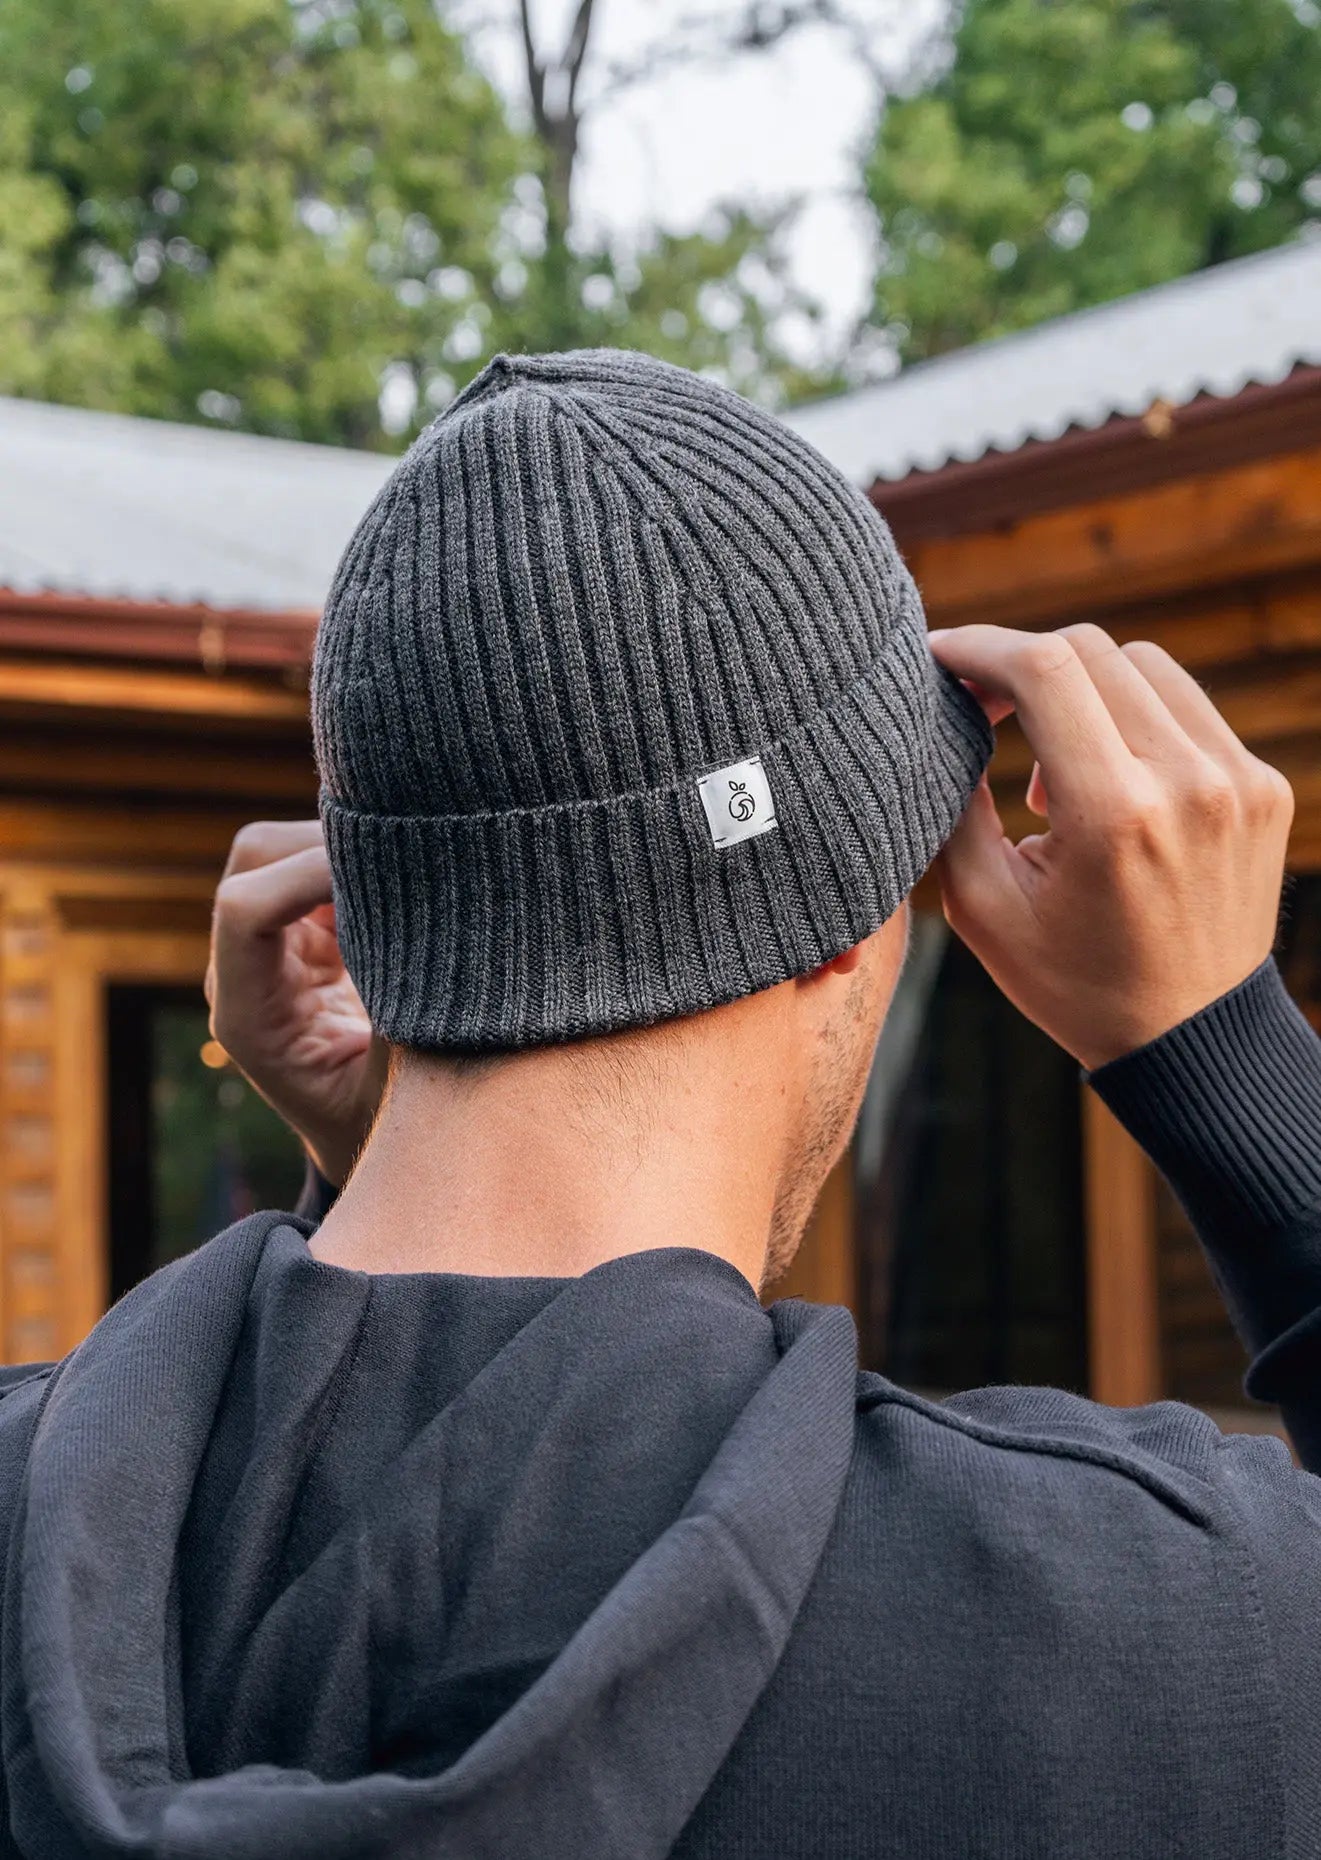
(843, 964)
(891, 939)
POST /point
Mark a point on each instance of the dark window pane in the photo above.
(190, 1148)
(971, 1238)
(1201, 1358)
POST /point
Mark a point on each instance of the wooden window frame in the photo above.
(66, 934)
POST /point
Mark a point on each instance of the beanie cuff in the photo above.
(470, 932)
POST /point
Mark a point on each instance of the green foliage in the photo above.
(1076, 150)
(242, 206)
(256, 212)
(711, 299)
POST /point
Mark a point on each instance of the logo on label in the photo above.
(738, 802)
(742, 805)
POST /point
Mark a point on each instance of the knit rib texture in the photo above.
(594, 580)
(1230, 1096)
(1228, 1106)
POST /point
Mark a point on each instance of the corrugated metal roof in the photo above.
(1216, 332)
(105, 505)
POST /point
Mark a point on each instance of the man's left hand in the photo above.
(282, 1003)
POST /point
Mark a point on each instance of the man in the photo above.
(490, 1514)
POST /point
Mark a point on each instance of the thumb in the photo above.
(977, 888)
(253, 908)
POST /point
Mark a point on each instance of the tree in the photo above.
(718, 297)
(314, 218)
(250, 211)
(1070, 151)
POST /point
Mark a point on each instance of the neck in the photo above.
(554, 1161)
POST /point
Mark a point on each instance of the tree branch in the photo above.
(704, 38)
(536, 74)
(575, 51)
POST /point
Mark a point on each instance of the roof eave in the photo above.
(1206, 434)
(217, 639)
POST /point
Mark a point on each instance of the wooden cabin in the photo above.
(159, 588)
(1154, 465)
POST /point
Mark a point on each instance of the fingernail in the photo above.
(938, 633)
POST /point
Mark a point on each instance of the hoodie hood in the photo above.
(531, 1620)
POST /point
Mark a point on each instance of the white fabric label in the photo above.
(738, 802)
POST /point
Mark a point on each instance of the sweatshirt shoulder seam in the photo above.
(43, 1374)
(1168, 1487)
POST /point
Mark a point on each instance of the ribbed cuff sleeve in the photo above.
(1228, 1106)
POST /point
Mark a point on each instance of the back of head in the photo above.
(623, 709)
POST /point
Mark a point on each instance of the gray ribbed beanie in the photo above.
(623, 708)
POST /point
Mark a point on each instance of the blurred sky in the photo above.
(760, 127)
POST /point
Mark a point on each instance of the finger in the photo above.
(977, 887)
(1082, 754)
(252, 910)
(1184, 698)
(996, 708)
(1145, 721)
(262, 842)
(1037, 800)
(265, 899)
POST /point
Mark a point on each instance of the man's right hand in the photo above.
(282, 1003)
(1156, 888)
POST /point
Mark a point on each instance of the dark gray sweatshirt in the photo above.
(303, 1562)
